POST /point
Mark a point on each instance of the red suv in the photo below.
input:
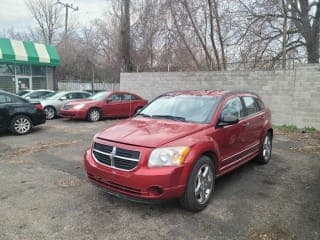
(179, 144)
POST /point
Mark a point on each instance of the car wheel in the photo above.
(94, 115)
(200, 185)
(50, 113)
(20, 125)
(265, 149)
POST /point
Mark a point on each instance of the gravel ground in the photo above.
(44, 194)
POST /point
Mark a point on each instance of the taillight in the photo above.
(39, 106)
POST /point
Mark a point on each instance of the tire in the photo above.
(20, 125)
(265, 149)
(198, 191)
(50, 112)
(94, 115)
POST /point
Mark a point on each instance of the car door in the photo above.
(130, 104)
(230, 138)
(114, 105)
(4, 111)
(253, 122)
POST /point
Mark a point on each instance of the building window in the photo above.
(6, 69)
(23, 69)
(38, 70)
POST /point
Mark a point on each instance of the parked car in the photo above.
(179, 144)
(104, 104)
(53, 102)
(23, 92)
(18, 114)
(36, 94)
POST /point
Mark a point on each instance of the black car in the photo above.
(18, 114)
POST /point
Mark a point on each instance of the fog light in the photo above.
(155, 190)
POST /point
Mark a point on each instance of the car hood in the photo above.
(149, 132)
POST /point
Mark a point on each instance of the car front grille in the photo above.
(116, 157)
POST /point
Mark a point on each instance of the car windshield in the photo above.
(99, 96)
(54, 95)
(188, 108)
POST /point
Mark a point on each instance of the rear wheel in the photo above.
(265, 149)
(200, 185)
(20, 125)
(94, 115)
(50, 113)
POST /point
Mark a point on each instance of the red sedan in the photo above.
(179, 144)
(104, 104)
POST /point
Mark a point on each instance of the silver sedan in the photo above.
(52, 103)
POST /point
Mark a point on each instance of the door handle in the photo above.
(246, 124)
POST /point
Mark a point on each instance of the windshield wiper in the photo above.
(175, 118)
(143, 115)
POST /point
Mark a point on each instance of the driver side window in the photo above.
(233, 107)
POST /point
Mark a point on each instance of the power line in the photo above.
(67, 6)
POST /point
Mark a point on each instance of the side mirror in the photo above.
(63, 98)
(228, 120)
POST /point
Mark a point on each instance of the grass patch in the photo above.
(293, 128)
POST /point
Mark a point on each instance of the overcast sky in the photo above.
(14, 13)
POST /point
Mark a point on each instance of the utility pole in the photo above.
(67, 6)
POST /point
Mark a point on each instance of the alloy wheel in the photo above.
(22, 125)
(266, 148)
(203, 184)
(50, 112)
(94, 115)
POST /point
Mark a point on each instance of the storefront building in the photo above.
(27, 65)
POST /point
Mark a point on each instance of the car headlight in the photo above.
(169, 156)
(78, 107)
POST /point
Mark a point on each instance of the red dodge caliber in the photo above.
(179, 144)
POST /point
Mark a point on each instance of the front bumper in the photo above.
(76, 114)
(142, 184)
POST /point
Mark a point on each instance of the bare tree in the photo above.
(125, 46)
(47, 16)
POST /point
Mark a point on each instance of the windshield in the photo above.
(54, 95)
(99, 96)
(188, 108)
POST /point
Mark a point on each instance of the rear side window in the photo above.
(251, 105)
(128, 97)
(5, 99)
(260, 103)
(233, 107)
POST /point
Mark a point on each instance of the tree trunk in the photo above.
(313, 51)
(126, 64)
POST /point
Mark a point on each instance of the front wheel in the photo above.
(94, 115)
(20, 125)
(265, 149)
(200, 185)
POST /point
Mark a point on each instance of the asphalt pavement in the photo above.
(44, 194)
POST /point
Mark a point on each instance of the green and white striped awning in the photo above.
(13, 51)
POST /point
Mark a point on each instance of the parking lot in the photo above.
(44, 194)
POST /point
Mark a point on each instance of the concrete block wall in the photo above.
(292, 95)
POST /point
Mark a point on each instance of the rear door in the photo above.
(253, 122)
(116, 106)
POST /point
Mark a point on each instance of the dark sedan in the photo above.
(19, 115)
